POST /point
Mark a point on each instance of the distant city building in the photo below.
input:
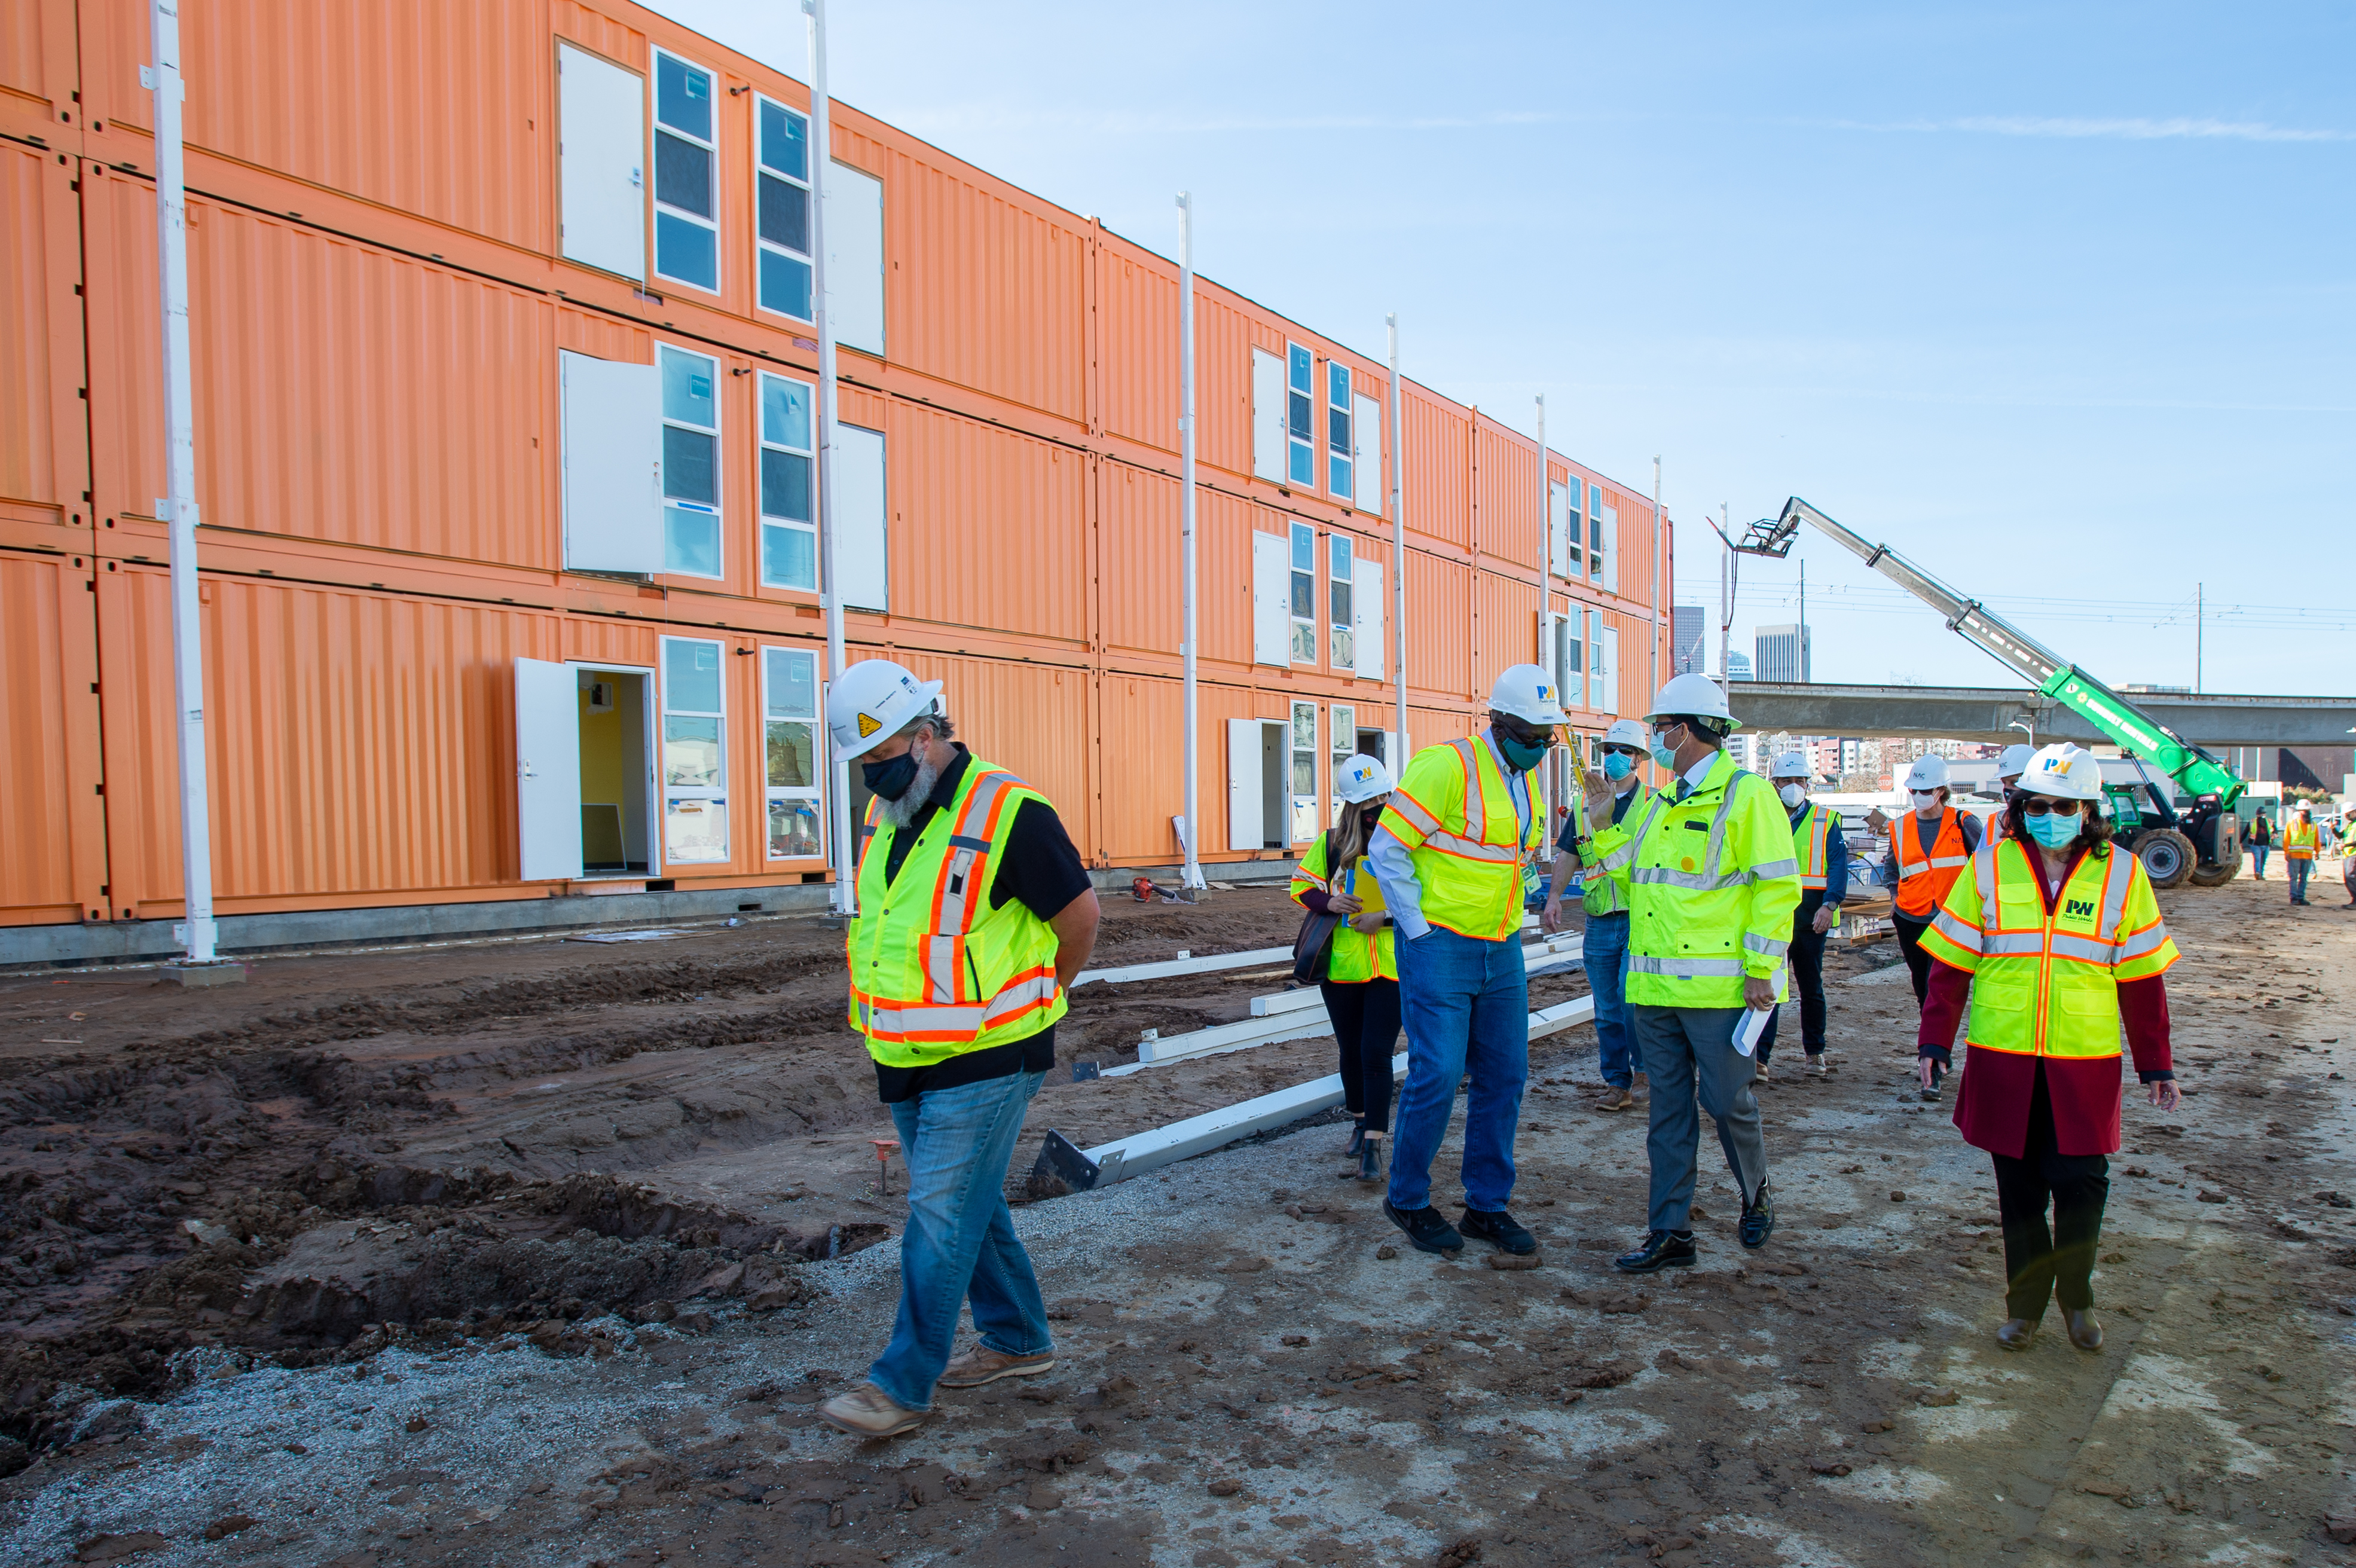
(2147, 686)
(1738, 666)
(1744, 753)
(1782, 653)
(1688, 653)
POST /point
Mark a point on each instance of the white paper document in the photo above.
(1753, 1025)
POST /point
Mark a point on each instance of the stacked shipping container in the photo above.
(390, 312)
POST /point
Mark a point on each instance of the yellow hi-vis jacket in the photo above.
(2048, 985)
(1454, 814)
(1606, 892)
(1713, 884)
(1809, 830)
(935, 971)
(2298, 840)
(1357, 957)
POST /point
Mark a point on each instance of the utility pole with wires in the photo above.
(2200, 631)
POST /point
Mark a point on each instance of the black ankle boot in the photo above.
(1372, 1165)
(1358, 1134)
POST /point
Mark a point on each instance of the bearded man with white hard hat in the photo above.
(1603, 941)
(1714, 883)
(1449, 855)
(975, 916)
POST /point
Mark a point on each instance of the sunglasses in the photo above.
(1624, 751)
(2037, 805)
(1528, 734)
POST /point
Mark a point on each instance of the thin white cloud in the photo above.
(2067, 128)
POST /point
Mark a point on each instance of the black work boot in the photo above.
(1759, 1220)
(1358, 1134)
(1662, 1249)
(1426, 1231)
(1497, 1227)
(1372, 1165)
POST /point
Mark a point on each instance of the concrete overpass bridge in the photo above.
(1988, 713)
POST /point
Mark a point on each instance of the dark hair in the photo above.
(1712, 731)
(2093, 827)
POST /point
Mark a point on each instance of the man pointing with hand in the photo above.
(1713, 882)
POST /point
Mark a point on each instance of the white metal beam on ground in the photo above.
(1285, 1002)
(1204, 966)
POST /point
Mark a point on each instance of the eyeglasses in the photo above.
(1528, 734)
(2039, 804)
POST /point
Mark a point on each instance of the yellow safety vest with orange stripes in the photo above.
(2048, 985)
(935, 971)
(1923, 880)
(2298, 840)
(1809, 832)
(1455, 812)
(1356, 957)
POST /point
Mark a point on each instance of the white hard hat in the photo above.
(1527, 693)
(1790, 765)
(2015, 760)
(2064, 771)
(1362, 778)
(1628, 732)
(1927, 774)
(1695, 694)
(871, 703)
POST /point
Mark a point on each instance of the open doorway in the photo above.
(615, 777)
(584, 771)
(1259, 804)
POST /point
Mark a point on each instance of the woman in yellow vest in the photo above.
(2055, 939)
(1361, 983)
(975, 916)
(2298, 853)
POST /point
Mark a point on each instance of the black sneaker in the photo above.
(1499, 1228)
(1662, 1249)
(1759, 1220)
(1426, 1231)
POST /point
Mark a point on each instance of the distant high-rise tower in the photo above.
(1782, 653)
(1688, 654)
(1738, 666)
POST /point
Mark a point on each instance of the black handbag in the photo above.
(1312, 949)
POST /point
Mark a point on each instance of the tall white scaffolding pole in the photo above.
(846, 894)
(1556, 792)
(1656, 571)
(177, 506)
(1194, 873)
(1398, 543)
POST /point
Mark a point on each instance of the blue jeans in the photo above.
(2298, 870)
(960, 1238)
(2262, 852)
(1466, 1005)
(1605, 946)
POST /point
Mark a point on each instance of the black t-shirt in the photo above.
(1040, 867)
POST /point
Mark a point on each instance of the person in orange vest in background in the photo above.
(2298, 853)
(2008, 769)
(1930, 844)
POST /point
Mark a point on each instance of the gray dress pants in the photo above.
(1685, 1050)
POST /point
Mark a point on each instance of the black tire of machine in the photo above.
(2167, 855)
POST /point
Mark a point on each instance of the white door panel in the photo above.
(602, 137)
(1268, 416)
(854, 257)
(1366, 600)
(548, 769)
(1367, 428)
(861, 520)
(1272, 587)
(612, 460)
(1243, 783)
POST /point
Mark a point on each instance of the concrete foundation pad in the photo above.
(203, 975)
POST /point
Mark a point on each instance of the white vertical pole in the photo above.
(1193, 876)
(1656, 571)
(846, 860)
(177, 506)
(2200, 631)
(1544, 661)
(1398, 544)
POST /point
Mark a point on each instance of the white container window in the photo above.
(783, 202)
(686, 154)
(1301, 413)
(1600, 639)
(1339, 449)
(1595, 532)
(788, 483)
(694, 751)
(1341, 745)
(1304, 593)
(691, 462)
(1305, 772)
(1340, 589)
(790, 738)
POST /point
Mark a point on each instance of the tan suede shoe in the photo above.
(867, 1411)
(983, 1365)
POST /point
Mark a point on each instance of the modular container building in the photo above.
(504, 370)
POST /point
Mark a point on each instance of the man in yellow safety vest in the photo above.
(1449, 857)
(2298, 853)
(975, 916)
(1714, 882)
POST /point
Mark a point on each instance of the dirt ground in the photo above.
(541, 1253)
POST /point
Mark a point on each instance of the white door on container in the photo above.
(862, 551)
(1369, 607)
(854, 257)
(1366, 430)
(1271, 591)
(548, 769)
(1268, 416)
(1244, 784)
(612, 463)
(601, 157)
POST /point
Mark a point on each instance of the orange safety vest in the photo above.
(2298, 841)
(1923, 881)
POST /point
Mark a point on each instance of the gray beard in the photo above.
(900, 813)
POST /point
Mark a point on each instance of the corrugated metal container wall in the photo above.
(52, 831)
(1508, 524)
(44, 448)
(1439, 464)
(1633, 679)
(1142, 592)
(1440, 625)
(1141, 760)
(984, 284)
(436, 107)
(1033, 719)
(1137, 355)
(609, 36)
(377, 399)
(1507, 609)
(1223, 388)
(37, 61)
(1223, 575)
(989, 528)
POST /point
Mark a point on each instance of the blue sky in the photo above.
(2056, 300)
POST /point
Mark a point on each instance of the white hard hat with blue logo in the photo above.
(1361, 779)
(1527, 693)
(2064, 771)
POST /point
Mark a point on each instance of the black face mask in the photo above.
(891, 779)
(1368, 819)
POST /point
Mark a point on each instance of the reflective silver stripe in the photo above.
(1686, 968)
(1766, 946)
(1477, 806)
(889, 1018)
(1407, 806)
(1771, 869)
(2086, 949)
(1626, 853)
(967, 856)
(1983, 874)
(1969, 938)
(2119, 878)
(2013, 945)
(1471, 849)
(1943, 861)
(941, 968)
(1019, 995)
(1700, 881)
(2144, 942)
(1916, 869)
(1713, 853)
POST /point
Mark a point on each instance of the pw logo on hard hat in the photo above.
(868, 725)
(1546, 692)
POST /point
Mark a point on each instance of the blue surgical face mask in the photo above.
(1662, 754)
(1618, 765)
(2051, 829)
